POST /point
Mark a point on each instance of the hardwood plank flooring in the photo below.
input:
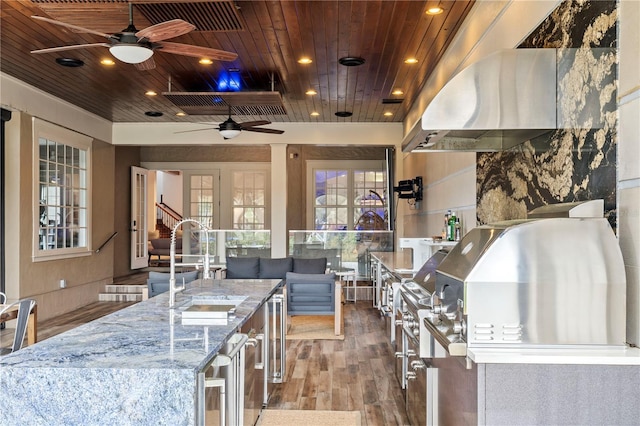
(354, 374)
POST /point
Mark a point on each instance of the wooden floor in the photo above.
(349, 375)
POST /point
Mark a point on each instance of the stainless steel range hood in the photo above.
(505, 99)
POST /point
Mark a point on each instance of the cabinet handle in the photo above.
(260, 338)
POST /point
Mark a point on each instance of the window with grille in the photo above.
(249, 199)
(347, 195)
(62, 204)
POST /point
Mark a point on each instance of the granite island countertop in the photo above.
(135, 366)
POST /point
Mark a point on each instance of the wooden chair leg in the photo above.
(337, 325)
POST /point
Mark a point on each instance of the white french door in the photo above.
(138, 224)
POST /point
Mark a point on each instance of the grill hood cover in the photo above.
(504, 99)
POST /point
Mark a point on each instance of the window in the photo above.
(201, 202)
(62, 161)
(249, 199)
(348, 195)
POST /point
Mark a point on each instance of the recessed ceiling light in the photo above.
(397, 92)
(180, 114)
(153, 114)
(344, 114)
(310, 92)
(107, 61)
(435, 10)
(69, 62)
(351, 61)
(411, 61)
(150, 93)
(315, 114)
(388, 114)
(304, 61)
(205, 61)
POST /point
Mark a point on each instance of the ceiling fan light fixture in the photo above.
(131, 54)
(229, 134)
(229, 129)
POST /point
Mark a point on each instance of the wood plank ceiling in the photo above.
(269, 38)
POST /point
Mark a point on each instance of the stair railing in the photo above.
(168, 216)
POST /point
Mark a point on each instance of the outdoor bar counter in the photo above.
(139, 365)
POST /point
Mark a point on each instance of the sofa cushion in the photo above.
(163, 276)
(158, 282)
(243, 267)
(165, 244)
(309, 266)
(275, 268)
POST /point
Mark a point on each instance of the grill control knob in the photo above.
(437, 309)
(417, 365)
(459, 327)
(416, 330)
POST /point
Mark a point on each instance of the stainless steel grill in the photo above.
(533, 283)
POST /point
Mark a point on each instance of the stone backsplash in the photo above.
(569, 164)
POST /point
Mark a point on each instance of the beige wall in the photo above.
(85, 276)
(449, 181)
(629, 157)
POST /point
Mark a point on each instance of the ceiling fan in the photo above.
(229, 129)
(135, 46)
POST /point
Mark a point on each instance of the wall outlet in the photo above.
(63, 283)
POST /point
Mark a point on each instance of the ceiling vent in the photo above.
(206, 16)
(218, 103)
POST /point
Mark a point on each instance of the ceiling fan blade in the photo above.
(72, 47)
(263, 130)
(253, 123)
(70, 26)
(196, 130)
(196, 51)
(165, 30)
(149, 64)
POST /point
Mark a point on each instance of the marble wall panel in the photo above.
(566, 164)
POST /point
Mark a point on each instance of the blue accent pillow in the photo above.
(275, 268)
(309, 266)
(243, 267)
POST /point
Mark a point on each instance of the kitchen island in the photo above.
(139, 365)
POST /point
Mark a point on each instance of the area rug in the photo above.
(308, 418)
(313, 327)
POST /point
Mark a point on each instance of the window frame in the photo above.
(51, 132)
(351, 166)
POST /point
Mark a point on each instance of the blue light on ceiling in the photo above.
(229, 82)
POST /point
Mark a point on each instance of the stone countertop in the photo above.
(134, 366)
(567, 356)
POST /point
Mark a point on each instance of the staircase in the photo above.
(122, 293)
(125, 289)
(166, 219)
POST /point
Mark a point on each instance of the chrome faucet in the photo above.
(173, 288)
